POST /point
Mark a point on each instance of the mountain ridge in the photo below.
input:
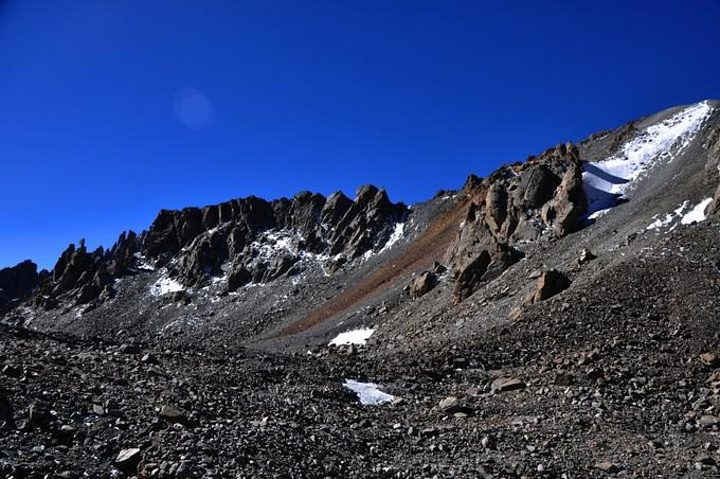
(204, 244)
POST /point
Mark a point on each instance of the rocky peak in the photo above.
(246, 239)
(81, 277)
(17, 283)
(522, 201)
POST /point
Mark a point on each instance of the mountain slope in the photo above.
(556, 317)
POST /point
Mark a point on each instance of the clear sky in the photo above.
(111, 110)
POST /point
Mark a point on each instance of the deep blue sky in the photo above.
(111, 110)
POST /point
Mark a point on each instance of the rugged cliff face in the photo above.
(82, 277)
(518, 203)
(244, 240)
(252, 241)
(17, 283)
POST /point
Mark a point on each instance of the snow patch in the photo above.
(142, 264)
(357, 336)
(660, 223)
(696, 214)
(607, 181)
(396, 236)
(685, 216)
(273, 243)
(164, 286)
(368, 393)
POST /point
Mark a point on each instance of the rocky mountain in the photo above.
(17, 283)
(554, 319)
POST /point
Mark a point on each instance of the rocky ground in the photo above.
(581, 387)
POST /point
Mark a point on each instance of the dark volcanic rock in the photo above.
(81, 277)
(266, 239)
(507, 384)
(7, 412)
(248, 227)
(367, 223)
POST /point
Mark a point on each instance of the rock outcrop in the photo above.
(79, 277)
(247, 239)
(264, 240)
(17, 283)
(519, 202)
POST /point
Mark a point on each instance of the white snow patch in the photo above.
(368, 393)
(142, 263)
(696, 214)
(606, 181)
(357, 336)
(280, 242)
(164, 286)
(660, 223)
(396, 236)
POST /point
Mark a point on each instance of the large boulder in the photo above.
(422, 284)
(549, 284)
(486, 266)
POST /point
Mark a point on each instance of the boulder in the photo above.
(7, 411)
(422, 284)
(538, 184)
(173, 414)
(714, 205)
(607, 466)
(128, 460)
(585, 257)
(470, 276)
(39, 416)
(503, 384)
(710, 359)
(449, 403)
(486, 266)
(549, 284)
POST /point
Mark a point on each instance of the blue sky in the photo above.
(112, 110)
